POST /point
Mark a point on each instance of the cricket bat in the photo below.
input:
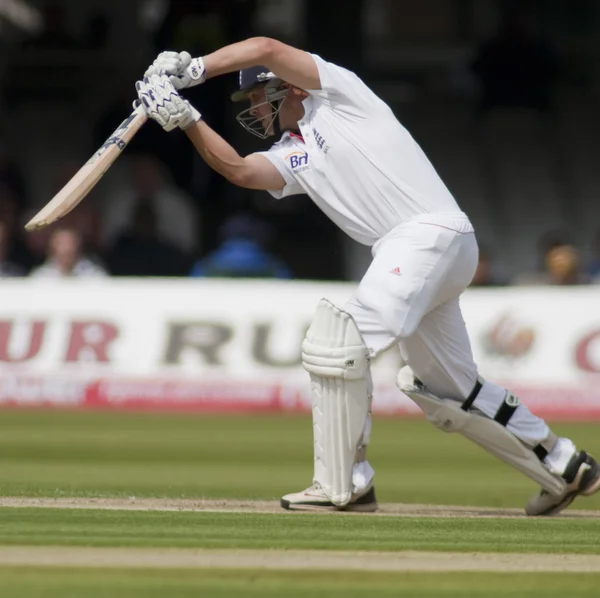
(90, 173)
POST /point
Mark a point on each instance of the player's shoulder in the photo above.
(341, 88)
(335, 74)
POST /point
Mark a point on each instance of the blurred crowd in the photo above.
(560, 263)
(149, 227)
(162, 211)
(169, 215)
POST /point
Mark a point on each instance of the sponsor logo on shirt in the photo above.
(321, 143)
(298, 161)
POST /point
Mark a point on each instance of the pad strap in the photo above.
(468, 402)
(543, 448)
(506, 410)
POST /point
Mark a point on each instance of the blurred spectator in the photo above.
(8, 269)
(17, 250)
(242, 253)
(516, 68)
(84, 218)
(173, 149)
(66, 259)
(594, 268)
(177, 218)
(563, 265)
(560, 264)
(141, 252)
(484, 274)
(54, 34)
(308, 242)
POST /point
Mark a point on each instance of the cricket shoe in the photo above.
(582, 476)
(314, 499)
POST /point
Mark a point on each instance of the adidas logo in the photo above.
(396, 271)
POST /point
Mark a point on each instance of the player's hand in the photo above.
(163, 104)
(183, 70)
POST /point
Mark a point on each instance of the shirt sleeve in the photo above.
(276, 155)
(343, 88)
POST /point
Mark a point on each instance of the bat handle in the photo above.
(138, 108)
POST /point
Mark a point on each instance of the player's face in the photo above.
(261, 109)
(292, 110)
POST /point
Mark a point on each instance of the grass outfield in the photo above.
(59, 454)
(287, 531)
(194, 456)
(142, 583)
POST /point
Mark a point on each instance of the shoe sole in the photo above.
(592, 488)
(569, 498)
(364, 508)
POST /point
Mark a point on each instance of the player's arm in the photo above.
(288, 63)
(162, 103)
(252, 172)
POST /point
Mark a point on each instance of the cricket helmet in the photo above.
(275, 94)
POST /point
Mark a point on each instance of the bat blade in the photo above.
(90, 173)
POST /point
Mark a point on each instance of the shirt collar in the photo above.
(309, 104)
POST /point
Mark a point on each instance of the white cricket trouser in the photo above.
(410, 295)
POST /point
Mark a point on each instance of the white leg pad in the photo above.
(447, 415)
(337, 360)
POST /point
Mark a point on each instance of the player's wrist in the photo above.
(192, 119)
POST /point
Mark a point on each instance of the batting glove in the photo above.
(163, 104)
(183, 70)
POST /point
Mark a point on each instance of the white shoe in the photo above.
(314, 499)
(583, 479)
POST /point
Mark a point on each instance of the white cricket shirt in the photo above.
(356, 161)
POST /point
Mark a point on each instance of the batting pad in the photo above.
(447, 415)
(335, 356)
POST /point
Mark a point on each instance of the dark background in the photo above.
(502, 96)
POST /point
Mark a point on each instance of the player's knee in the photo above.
(333, 329)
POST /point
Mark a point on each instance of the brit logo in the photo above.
(298, 161)
(396, 271)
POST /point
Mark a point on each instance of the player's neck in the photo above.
(290, 116)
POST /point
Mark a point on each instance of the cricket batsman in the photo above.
(338, 142)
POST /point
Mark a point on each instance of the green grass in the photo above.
(65, 527)
(51, 453)
(122, 454)
(19, 582)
